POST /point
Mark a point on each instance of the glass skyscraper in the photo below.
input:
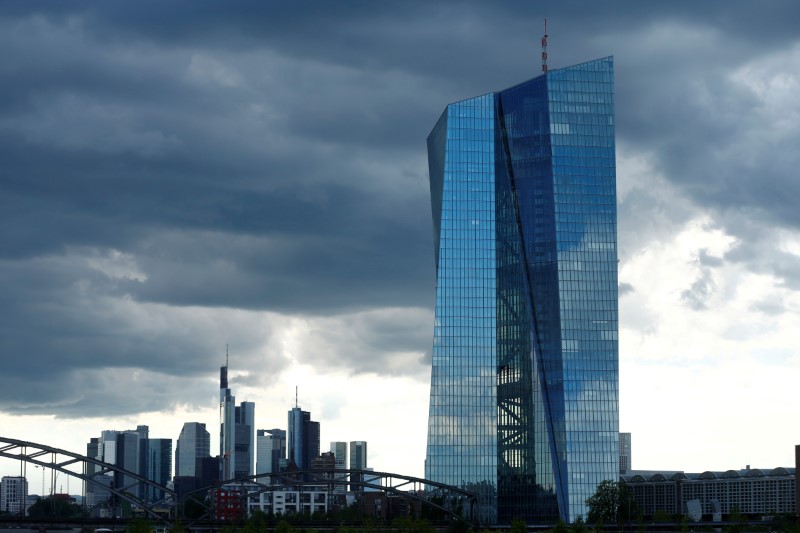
(525, 379)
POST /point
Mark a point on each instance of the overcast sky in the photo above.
(178, 177)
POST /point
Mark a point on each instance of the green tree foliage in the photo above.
(518, 526)
(283, 527)
(738, 521)
(560, 527)
(140, 525)
(256, 523)
(54, 508)
(612, 502)
(662, 516)
(578, 526)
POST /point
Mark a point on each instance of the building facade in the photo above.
(194, 443)
(13, 493)
(271, 448)
(236, 433)
(158, 467)
(339, 451)
(524, 381)
(303, 438)
(751, 491)
(245, 439)
(624, 453)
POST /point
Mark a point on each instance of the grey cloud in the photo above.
(259, 157)
(386, 341)
(706, 259)
(700, 291)
(773, 306)
(625, 288)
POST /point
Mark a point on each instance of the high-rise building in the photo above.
(624, 453)
(194, 443)
(125, 449)
(13, 492)
(358, 455)
(157, 466)
(236, 432)
(245, 440)
(339, 451)
(271, 448)
(227, 427)
(303, 437)
(524, 382)
(358, 461)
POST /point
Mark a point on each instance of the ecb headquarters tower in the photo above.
(525, 379)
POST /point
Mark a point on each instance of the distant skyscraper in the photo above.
(624, 453)
(236, 433)
(358, 460)
(339, 451)
(271, 448)
(158, 466)
(524, 382)
(13, 492)
(303, 438)
(194, 443)
(245, 440)
(125, 449)
(227, 429)
(358, 454)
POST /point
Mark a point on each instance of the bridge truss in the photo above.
(453, 501)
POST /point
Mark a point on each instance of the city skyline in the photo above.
(258, 178)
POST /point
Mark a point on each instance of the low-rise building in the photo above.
(751, 491)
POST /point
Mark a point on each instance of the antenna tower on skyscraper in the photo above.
(544, 47)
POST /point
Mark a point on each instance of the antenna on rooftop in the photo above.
(544, 47)
(296, 403)
(226, 356)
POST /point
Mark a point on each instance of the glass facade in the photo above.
(524, 383)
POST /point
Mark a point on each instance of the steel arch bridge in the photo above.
(448, 499)
(37, 454)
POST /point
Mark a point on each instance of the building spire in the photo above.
(544, 47)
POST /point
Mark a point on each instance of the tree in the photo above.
(51, 507)
(612, 502)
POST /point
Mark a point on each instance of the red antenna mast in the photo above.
(544, 48)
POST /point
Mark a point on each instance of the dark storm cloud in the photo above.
(167, 164)
(626, 288)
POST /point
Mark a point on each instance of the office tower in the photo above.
(524, 381)
(157, 466)
(358, 455)
(303, 438)
(125, 449)
(339, 451)
(236, 432)
(358, 461)
(13, 492)
(245, 444)
(624, 453)
(90, 489)
(194, 443)
(227, 428)
(271, 448)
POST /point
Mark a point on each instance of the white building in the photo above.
(13, 492)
